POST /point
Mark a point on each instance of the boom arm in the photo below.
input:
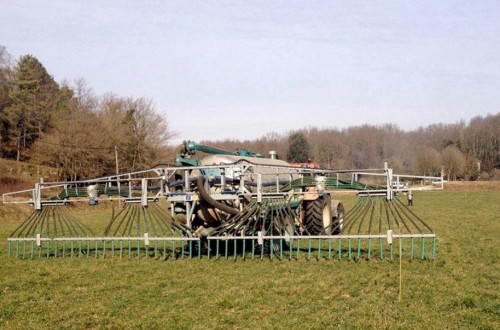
(191, 147)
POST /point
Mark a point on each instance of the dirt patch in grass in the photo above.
(472, 186)
(9, 184)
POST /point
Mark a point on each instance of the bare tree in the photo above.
(141, 134)
(147, 132)
(471, 170)
(429, 161)
(453, 162)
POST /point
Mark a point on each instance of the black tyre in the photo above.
(338, 219)
(266, 246)
(318, 216)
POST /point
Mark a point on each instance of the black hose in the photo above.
(228, 180)
(200, 183)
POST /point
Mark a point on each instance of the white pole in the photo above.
(117, 179)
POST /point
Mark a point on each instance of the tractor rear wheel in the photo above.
(318, 216)
(266, 246)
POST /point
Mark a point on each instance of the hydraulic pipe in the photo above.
(193, 146)
(200, 183)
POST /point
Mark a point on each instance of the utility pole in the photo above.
(116, 159)
(117, 178)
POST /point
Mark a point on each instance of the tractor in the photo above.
(229, 191)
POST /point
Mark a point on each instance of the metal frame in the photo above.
(133, 188)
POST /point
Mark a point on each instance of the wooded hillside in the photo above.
(66, 126)
(462, 150)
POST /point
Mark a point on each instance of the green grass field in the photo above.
(457, 290)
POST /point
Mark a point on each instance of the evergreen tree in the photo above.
(31, 99)
(299, 149)
(5, 72)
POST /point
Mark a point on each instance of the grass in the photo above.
(457, 290)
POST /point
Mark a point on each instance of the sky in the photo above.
(243, 69)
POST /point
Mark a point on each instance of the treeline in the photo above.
(466, 151)
(68, 127)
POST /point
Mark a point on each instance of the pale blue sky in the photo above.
(240, 69)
